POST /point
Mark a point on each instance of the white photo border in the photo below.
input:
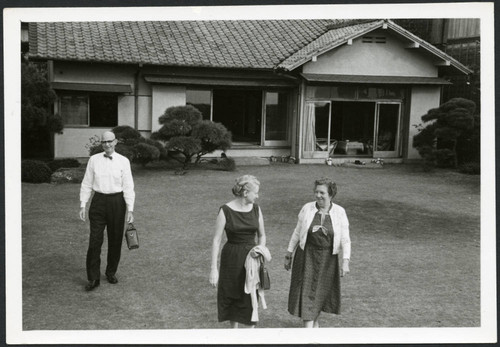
(486, 333)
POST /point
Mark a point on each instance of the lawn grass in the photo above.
(415, 250)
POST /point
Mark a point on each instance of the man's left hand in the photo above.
(130, 217)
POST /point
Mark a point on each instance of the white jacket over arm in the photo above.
(340, 227)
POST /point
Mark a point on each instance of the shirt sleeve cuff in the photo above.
(83, 204)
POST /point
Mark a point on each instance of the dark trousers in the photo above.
(106, 211)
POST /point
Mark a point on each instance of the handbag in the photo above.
(132, 236)
(265, 281)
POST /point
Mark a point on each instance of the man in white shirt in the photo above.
(109, 175)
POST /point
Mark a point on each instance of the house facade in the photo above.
(311, 89)
(460, 38)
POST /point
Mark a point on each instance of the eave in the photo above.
(415, 42)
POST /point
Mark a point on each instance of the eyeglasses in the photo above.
(107, 142)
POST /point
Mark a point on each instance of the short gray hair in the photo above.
(244, 183)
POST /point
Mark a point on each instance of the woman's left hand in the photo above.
(345, 267)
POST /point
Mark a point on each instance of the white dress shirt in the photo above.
(108, 176)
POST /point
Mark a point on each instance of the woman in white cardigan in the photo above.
(322, 231)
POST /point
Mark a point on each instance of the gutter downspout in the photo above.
(300, 116)
(136, 96)
(55, 107)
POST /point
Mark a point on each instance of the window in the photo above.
(253, 116)
(383, 92)
(74, 109)
(240, 111)
(93, 109)
(353, 92)
(331, 92)
(103, 110)
(202, 100)
(318, 92)
(276, 116)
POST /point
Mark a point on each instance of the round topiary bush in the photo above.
(226, 164)
(144, 153)
(126, 132)
(95, 149)
(470, 168)
(35, 171)
(125, 151)
(65, 163)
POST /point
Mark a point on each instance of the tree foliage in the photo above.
(132, 145)
(188, 134)
(35, 171)
(212, 136)
(178, 121)
(450, 135)
(37, 119)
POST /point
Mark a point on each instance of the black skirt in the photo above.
(233, 303)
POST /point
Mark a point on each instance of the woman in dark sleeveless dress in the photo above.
(242, 220)
(321, 232)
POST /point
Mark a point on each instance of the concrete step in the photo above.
(248, 161)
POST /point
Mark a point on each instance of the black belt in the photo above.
(112, 194)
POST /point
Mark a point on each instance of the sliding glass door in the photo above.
(240, 111)
(387, 129)
(339, 128)
(275, 114)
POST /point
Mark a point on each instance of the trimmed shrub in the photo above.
(179, 121)
(144, 153)
(35, 171)
(226, 164)
(450, 130)
(96, 149)
(471, 168)
(65, 163)
(186, 133)
(37, 119)
(445, 158)
(213, 136)
(187, 146)
(125, 151)
(161, 148)
(126, 132)
(94, 146)
(132, 145)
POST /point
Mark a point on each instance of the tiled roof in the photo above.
(246, 44)
(228, 44)
(327, 41)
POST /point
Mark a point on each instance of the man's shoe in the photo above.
(92, 285)
(112, 279)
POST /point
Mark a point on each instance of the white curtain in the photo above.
(309, 128)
